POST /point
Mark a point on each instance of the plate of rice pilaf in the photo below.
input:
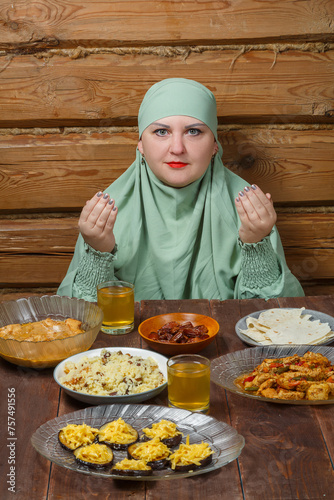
(113, 375)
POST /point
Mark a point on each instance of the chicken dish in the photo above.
(38, 331)
(310, 376)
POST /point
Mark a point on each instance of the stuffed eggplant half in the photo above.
(166, 431)
(131, 468)
(73, 436)
(117, 434)
(95, 456)
(153, 452)
(190, 456)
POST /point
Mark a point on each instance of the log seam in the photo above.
(183, 51)
(118, 130)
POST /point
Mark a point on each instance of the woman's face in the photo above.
(178, 149)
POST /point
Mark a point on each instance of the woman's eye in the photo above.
(161, 131)
(194, 131)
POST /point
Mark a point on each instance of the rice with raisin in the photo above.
(112, 373)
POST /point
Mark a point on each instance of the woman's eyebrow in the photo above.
(156, 124)
(193, 125)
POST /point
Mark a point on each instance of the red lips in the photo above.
(177, 164)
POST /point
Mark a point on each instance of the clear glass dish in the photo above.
(225, 369)
(44, 354)
(223, 439)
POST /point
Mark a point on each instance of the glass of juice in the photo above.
(116, 299)
(189, 382)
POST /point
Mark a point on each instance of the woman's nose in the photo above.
(177, 145)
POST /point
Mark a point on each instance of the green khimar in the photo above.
(180, 243)
(178, 97)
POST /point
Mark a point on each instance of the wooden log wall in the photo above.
(73, 74)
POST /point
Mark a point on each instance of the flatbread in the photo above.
(287, 326)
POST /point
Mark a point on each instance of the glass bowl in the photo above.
(45, 354)
(166, 348)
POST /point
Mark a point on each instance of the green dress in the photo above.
(181, 243)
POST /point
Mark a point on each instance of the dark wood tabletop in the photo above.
(289, 449)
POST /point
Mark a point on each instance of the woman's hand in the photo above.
(257, 214)
(96, 222)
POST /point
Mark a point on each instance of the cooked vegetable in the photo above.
(73, 435)
(94, 455)
(191, 456)
(166, 431)
(132, 468)
(118, 434)
(154, 452)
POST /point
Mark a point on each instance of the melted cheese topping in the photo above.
(118, 432)
(151, 450)
(94, 453)
(163, 430)
(74, 435)
(127, 464)
(38, 331)
(188, 454)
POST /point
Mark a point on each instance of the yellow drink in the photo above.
(116, 299)
(189, 383)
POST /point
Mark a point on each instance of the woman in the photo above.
(177, 223)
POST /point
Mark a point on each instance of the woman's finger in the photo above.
(240, 209)
(111, 218)
(90, 204)
(102, 220)
(264, 198)
(268, 209)
(250, 210)
(97, 210)
(255, 200)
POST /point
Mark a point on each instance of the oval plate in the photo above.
(129, 398)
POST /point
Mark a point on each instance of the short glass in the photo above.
(189, 382)
(116, 299)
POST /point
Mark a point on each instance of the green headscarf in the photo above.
(178, 97)
(178, 243)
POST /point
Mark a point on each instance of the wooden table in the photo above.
(289, 449)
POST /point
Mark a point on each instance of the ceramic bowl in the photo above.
(156, 322)
(95, 399)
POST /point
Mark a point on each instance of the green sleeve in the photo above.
(264, 272)
(88, 268)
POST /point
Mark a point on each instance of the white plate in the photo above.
(223, 439)
(130, 398)
(242, 325)
(225, 369)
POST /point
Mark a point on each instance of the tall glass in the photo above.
(189, 382)
(116, 299)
